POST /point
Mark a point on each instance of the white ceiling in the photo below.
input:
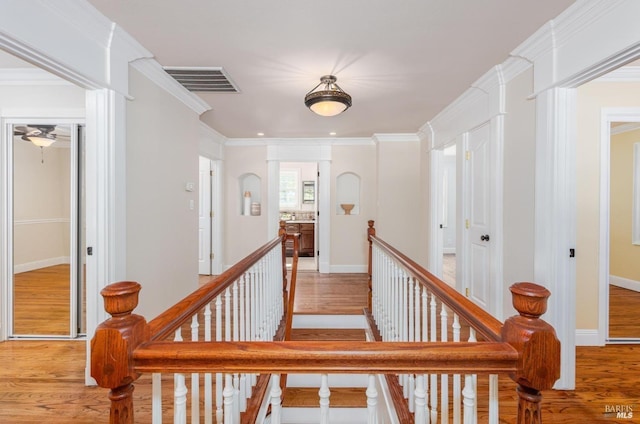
(401, 61)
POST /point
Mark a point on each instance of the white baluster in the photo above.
(434, 377)
(208, 383)
(420, 415)
(474, 378)
(179, 392)
(444, 378)
(156, 396)
(457, 400)
(276, 399)
(245, 388)
(195, 377)
(372, 401)
(494, 403)
(227, 394)
(219, 404)
(324, 394)
(469, 400)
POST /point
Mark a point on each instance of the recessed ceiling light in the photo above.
(260, 134)
(332, 133)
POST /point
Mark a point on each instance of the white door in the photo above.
(478, 221)
(204, 218)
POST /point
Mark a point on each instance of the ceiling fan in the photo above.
(39, 134)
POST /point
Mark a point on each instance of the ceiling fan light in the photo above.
(330, 100)
(42, 140)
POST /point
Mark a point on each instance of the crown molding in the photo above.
(626, 127)
(151, 69)
(30, 76)
(514, 66)
(304, 142)
(395, 137)
(624, 74)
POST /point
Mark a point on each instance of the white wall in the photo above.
(519, 184)
(162, 228)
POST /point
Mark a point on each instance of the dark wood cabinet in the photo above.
(307, 238)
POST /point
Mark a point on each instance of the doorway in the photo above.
(620, 275)
(449, 218)
(47, 288)
(298, 200)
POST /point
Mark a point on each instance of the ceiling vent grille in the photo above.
(203, 79)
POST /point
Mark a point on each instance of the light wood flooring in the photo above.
(44, 380)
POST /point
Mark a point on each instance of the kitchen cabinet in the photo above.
(307, 238)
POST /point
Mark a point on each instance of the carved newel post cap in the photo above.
(121, 298)
(529, 299)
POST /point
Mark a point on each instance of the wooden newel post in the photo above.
(371, 232)
(539, 348)
(283, 232)
(112, 348)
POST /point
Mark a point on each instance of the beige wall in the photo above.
(623, 256)
(244, 234)
(591, 98)
(399, 196)
(162, 228)
(349, 246)
(519, 185)
(41, 206)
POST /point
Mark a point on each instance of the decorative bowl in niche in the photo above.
(347, 207)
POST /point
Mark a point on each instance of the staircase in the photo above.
(348, 400)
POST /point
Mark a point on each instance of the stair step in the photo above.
(328, 321)
(333, 334)
(341, 397)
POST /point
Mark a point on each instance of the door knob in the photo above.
(484, 237)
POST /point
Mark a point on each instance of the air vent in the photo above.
(203, 79)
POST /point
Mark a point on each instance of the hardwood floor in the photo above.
(624, 313)
(43, 381)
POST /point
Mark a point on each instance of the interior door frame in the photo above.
(608, 115)
(6, 251)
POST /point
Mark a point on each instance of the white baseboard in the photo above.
(335, 380)
(312, 415)
(625, 283)
(348, 269)
(31, 266)
(588, 338)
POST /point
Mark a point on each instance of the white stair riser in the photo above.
(329, 321)
(312, 415)
(335, 380)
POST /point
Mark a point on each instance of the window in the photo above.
(289, 188)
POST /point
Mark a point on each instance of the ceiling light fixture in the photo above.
(41, 140)
(327, 98)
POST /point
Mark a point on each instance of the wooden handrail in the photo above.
(324, 357)
(168, 321)
(534, 339)
(482, 321)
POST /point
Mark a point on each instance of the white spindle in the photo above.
(219, 383)
(156, 398)
(179, 392)
(474, 378)
(227, 394)
(372, 401)
(444, 378)
(208, 383)
(195, 377)
(494, 403)
(434, 377)
(324, 394)
(420, 415)
(276, 399)
(456, 377)
(469, 400)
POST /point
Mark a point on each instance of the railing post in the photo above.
(283, 232)
(371, 232)
(539, 348)
(112, 348)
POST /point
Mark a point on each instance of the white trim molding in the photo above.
(624, 283)
(588, 338)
